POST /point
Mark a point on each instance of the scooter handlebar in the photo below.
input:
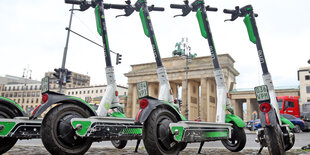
(228, 11)
(74, 1)
(114, 6)
(177, 6)
(153, 8)
(208, 8)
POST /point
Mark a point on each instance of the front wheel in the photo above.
(58, 136)
(274, 140)
(157, 137)
(297, 129)
(290, 145)
(119, 143)
(6, 143)
(237, 141)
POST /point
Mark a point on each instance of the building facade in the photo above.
(28, 95)
(77, 80)
(304, 79)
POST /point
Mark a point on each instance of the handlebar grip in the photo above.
(255, 14)
(158, 9)
(74, 1)
(228, 11)
(208, 8)
(176, 6)
(116, 6)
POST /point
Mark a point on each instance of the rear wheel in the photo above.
(237, 141)
(119, 143)
(58, 136)
(274, 140)
(157, 137)
(6, 143)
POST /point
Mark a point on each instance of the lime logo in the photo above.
(107, 105)
(102, 16)
(148, 17)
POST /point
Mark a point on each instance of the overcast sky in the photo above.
(33, 34)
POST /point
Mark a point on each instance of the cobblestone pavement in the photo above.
(38, 150)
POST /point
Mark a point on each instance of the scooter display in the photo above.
(236, 139)
(277, 131)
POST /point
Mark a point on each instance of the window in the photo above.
(100, 90)
(308, 100)
(290, 104)
(68, 93)
(88, 92)
(96, 91)
(308, 89)
(212, 88)
(280, 103)
(307, 77)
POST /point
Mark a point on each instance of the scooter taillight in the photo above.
(44, 98)
(265, 107)
(144, 103)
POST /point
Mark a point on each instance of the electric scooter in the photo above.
(236, 139)
(15, 124)
(72, 125)
(277, 131)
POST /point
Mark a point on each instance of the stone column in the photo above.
(184, 93)
(249, 109)
(204, 98)
(134, 101)
(193, 90)
(129, 101)
(174, 89)
(151, 89)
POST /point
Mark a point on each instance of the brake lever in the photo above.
(178, 15)
(228, 20)
(126, 15)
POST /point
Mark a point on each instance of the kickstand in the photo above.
(137, 146)
(200, 147)
(260, 150)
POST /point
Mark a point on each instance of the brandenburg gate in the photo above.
(201, 90)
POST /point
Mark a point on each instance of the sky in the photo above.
(33, 35)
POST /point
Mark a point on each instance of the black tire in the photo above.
(290, 145)
(64, 142)
(297, 129)
(119, 143)
(156, 133)
(183, 146)
(6, 143)
(274, 140)
(237, 141)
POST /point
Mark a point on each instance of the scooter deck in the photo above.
(192, 131)
(107, 128)
(20, 127)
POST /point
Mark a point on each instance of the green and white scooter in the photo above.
(277, 131)
(72, 125)
(15, 124)
(166, 131)
(235, 139)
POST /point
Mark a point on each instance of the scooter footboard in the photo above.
(107, 128)
(20, 127)
(192, 131)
